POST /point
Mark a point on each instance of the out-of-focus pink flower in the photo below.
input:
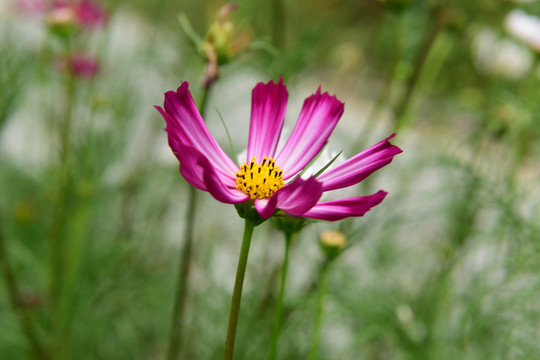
(267, 181)
(33, 8)
(79, 65)
(85, 13)
(85, 66)
(90, 13)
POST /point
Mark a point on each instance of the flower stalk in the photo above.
(402, 107)
(333, 243)
(57, 256)
(12, 288)
(238, 286)
(321, 296)
(184, 265)
(276, 330)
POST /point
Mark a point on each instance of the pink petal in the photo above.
(90, 13)
(295, 198)
(200, 173)
(317, 120)
(268, 105)
(180, 107)
(266, 207)
(341, 209)
(220, 190)
(359, 166)
(174, 133)
(191, 164)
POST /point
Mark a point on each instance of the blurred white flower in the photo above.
(500, 56)
(525, 27)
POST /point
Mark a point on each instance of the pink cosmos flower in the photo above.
(84, 66)
(268, 180)
(79, 65)
(90, 13)
(34, 8)
(87, 13)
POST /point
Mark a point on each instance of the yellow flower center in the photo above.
(259, 181)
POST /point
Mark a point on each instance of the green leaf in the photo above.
(311, 162)
(189, 31)
(235, 158)
(327, 165)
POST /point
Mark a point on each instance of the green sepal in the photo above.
(63, 32)
(246, 210)
(289, 225)
(332, 252)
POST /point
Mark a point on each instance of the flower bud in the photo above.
(62, 20)
(67, 18)
(224, 38)
(332, 242)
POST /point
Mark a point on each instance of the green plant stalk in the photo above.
(58, 221)
(12, 288)
(402, 107)
(321, 296)
(238, 285)
(184, 265)
(385, 93)
(278, 24)
(279, 305)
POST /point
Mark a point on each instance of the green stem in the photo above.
(402, 107)
(238, 285)
(317, 327)
(279, 305)
(278, 24)
(386, 90)
(13, 291)
(60, 210)
(184, 265)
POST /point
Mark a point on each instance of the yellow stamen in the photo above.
(259, 181)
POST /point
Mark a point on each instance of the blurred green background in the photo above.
(447, 267)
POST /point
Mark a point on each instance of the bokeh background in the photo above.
(447, 267)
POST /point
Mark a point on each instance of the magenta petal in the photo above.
(266, 207)
(180, 107)
(90, 13)
(222, 189)
(359, 166)
(174, 133)
(317, 120)
(191, 163)
(200, 173)
(268, 105)
(299, 196)
(341, 209)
